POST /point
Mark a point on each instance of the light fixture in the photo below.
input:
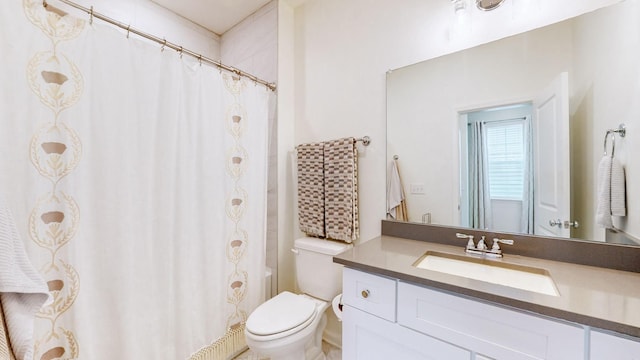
(486, 5)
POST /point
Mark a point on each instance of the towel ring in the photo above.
(613, 143)
(622, 130)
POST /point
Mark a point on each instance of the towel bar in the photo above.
(365, 140)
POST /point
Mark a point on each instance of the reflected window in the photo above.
(506, 159)
(496, 170)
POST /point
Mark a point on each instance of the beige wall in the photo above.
(286, 143)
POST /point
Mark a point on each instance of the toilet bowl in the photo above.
(288, 327)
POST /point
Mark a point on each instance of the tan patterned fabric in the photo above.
(311, 200)
(341, 189)
(55, 151)
(5, 348)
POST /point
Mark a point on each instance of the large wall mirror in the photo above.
(557, 90)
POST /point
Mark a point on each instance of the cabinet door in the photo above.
(605, 347)
(367, 337)
(491, 331)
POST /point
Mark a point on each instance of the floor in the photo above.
(331, 352)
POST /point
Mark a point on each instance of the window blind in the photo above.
(506, 159)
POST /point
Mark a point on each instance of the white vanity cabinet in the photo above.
(368, 337)
(369, 328)
(385, 318)
(489, 331)
(606, 346)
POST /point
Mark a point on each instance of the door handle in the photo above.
(557, 223)
(574, 224)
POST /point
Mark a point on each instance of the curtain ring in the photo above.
(128, 30)
(164, 43)
(180, 52)
(91, 16)
(200, 59)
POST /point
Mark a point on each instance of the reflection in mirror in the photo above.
(432, 106)
(496, 156)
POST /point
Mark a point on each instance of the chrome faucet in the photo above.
(481, 248)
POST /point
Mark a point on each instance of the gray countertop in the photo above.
(599, 297)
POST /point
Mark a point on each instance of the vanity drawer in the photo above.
(373, 294)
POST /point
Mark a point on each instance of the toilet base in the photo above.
(314, 349)
(311, 351)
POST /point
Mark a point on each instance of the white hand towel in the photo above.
(395, 193)
(618, 189)
(603, 210)
(22, 290)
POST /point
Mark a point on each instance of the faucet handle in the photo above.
(496, 242)
(470, 243)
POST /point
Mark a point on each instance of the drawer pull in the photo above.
(365, 293)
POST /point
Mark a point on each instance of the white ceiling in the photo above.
(215, 15)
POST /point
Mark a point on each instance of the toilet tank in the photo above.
(316, 273)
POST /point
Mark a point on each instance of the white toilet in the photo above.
(290, 326)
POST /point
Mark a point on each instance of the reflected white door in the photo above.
(551, 158)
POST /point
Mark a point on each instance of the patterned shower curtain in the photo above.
(138, 182)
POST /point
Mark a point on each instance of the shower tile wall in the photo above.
(252, 46)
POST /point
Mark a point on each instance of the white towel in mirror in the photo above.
(611, 192)
(603, 211)
(618, 189)
(395, 194)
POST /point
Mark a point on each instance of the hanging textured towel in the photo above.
(22, 290)
(611, 191)
(341, 189)
(311, 197)
(618, 189)
(603, 209)
(396, 201)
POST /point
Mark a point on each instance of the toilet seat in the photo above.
(281, 316)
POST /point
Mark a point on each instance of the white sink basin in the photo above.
(515, 276)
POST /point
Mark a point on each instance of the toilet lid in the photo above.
(281, 313)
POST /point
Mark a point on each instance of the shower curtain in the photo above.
(138, 181)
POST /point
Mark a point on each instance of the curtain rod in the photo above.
(165, 43)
